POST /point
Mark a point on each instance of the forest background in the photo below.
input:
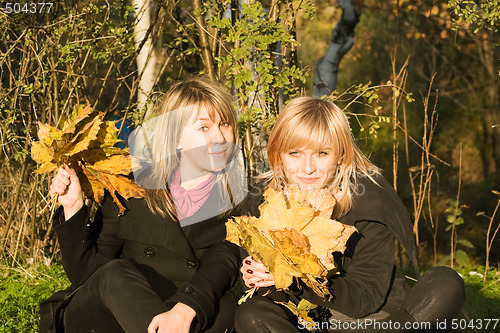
(420, 86)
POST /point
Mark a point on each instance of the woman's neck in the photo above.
(191, 178)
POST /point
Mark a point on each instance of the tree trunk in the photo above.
(206, 52)
(325, 74)
(146, 58)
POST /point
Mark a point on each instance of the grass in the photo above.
(483, 300)
(21, 291)
(23, 288)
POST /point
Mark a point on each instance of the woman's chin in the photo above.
(307, 187)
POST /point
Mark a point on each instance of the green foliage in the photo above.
(480, 15)
(21, 291)
(454, 219)
(454, 214)
(366, 99)
(259, 60)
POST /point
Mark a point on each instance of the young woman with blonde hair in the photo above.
(163, 265)
(311, 144)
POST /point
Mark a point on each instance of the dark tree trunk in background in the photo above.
(325, 74)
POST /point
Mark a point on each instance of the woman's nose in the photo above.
(216, 135)
(309, 165)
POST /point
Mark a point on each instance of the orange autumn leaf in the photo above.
(93, 185)
(294, 236)
(86, 143)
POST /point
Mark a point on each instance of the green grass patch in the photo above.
(482, 299)
(21, 291)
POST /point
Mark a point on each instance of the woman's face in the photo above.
(205, 144)
(309, 168)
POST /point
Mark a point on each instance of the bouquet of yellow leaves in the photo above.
(294, 236)
(87, 144)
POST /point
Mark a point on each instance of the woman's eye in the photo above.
(323, 153)
(203, 128)
(293, 153)
(225, 124)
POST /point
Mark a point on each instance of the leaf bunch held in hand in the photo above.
(86, 142)
(294, 236)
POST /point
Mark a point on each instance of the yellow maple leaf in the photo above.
(127, 188)
(41, 153)
(295, 246)
(276, 215)
(320, 199)
(46, 167)
(91, 186)
(293, 237)
(79, 114)
(117, 164)
(86, 142)
(301, 310)
(116, 184)
(282, 270)
(48, 134)
(327, 236)
(83, 138)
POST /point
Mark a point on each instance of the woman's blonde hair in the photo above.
(181, 104)
(309, 122)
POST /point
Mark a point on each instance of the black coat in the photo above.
(191, 264)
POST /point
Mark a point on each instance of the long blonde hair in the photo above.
(180, 104)
(309, 122)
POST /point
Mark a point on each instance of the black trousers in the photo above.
(119, 298)
(437, 295)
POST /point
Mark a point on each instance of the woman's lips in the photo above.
(219, 153)
(308, 180)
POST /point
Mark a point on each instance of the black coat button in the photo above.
(192, 264)
(187, 289)
(149, 252)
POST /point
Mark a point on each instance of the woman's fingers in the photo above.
(59, 184)
(257, 266)
(257, 282)
(65, 171)
(59, 189)
(255, 274)
(262, 276)
(264, 283)
(153, 326)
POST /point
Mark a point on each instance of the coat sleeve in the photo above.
(86, 246)
(364, 285)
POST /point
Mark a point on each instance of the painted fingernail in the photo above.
(251, 284)
(249, 271)
(268, 272)
(248, 262)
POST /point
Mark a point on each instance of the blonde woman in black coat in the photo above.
(311, 144)
(162, 266)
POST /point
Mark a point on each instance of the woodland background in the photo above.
(420, 86)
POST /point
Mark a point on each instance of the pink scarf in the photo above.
(187, 202)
